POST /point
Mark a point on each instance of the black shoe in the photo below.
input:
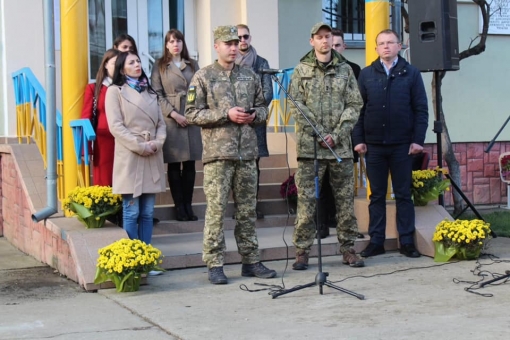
(217, 276)
(372, 250)
(155, 221)
(409, 250)
(189, 212)
(260, 215)
(360, 235)
(258, 270)
(180, 213)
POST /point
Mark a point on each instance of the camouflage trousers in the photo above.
(342, 182)
(219, 178)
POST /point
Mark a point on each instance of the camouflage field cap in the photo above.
(318, 26)
(225, 33)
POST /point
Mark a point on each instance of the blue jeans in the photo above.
(137, 214)
(381, 160)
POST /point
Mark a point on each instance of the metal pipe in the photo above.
(51, 116)
(396, 18)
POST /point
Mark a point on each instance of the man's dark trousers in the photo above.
(396, 159)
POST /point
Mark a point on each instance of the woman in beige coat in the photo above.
(135, 120)
(183, 146)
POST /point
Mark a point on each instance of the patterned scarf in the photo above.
(247, 59)
(139, 85)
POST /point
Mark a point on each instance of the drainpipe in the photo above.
(51, 119)
(396, 18)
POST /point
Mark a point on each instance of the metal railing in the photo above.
(31, 118)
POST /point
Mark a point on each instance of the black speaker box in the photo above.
(434, 36)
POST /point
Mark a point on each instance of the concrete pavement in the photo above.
(404, 299)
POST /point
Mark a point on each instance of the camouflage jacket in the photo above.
(212, 92)
(330, 98)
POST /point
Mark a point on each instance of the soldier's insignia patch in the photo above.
(191, 94)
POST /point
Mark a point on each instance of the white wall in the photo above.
(22, 45)
(296, 18)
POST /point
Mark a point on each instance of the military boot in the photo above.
(258, 270)
(301, 261)
(217, 276)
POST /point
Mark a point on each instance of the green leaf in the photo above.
(442, 253)
(80, 210)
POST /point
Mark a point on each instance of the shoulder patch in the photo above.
(192, 94)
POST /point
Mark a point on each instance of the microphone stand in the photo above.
(321, 277)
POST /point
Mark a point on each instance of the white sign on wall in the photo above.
(499, 22)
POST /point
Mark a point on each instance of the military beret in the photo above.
(225, 33)
(318, 26)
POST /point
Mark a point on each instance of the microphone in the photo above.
(270, 71)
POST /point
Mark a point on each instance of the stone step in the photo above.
(266, 191)
(267, 175)
(184, 250)
(176, 227)
(268, 207)
(275, 160)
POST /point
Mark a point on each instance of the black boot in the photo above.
(176, 188)
(188, 185)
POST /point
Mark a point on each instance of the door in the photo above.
(146, 21)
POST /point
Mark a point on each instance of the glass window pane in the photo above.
(119, 18)
(97, 36)
(155, 24)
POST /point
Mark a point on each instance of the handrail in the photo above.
(83, 134)
(31, 118)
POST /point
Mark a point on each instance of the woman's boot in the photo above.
(176, 187)
(188, 180)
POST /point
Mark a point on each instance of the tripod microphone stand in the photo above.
(321, 277)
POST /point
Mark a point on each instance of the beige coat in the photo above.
(134, 118)
(182, 144)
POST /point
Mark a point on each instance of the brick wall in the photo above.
(479, 172)
(41, 240)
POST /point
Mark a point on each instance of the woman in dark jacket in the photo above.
(183, 146)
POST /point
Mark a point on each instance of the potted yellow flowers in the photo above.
(427, 185)
(460, 238)
(124, 261)
(92, 205)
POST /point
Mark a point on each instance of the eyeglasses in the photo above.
(246, 36)
(389, 43)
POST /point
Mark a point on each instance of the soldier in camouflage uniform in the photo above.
(325, 89)
(226, 101)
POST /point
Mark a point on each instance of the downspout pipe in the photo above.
(51, 116)
(396, 18)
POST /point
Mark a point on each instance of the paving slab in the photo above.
(404, 299)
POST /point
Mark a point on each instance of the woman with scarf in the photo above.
(136, 122)
(94, 109)
(183, 146)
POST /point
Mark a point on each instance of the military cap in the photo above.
(225, 33)
(318, 26)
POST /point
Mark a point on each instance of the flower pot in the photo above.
(420, 203)
(464, 253)
(93, 221)
(442, 252)
(127, 283)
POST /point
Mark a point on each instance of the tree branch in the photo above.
(480, 47)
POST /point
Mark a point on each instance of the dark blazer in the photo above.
(395, 108)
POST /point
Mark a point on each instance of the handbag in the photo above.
(94, 115)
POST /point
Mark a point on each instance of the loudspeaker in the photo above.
(434, 36)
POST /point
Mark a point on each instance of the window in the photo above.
(347, 15)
